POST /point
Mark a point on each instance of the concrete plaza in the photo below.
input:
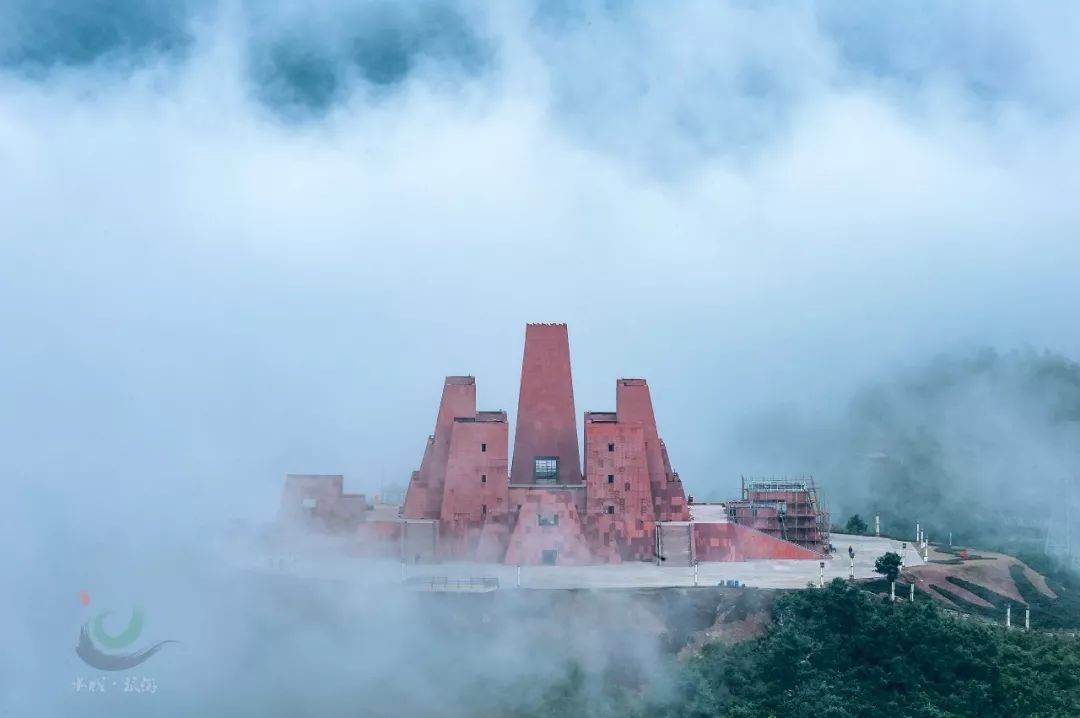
(760, 574)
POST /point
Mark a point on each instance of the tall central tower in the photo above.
(545, 437)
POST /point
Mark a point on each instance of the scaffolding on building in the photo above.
(788, 509)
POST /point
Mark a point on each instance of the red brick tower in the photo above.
(620, 514)
(475, 488)
(545, 438)
(633, 405)
(424, 499)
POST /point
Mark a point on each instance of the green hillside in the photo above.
(843, 653)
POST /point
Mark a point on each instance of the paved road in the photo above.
(762, 574)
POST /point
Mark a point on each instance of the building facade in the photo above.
(540, 505)
(548, 502)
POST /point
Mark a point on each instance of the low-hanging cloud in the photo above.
(240, 239)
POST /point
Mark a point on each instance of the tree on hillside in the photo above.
(855, 525)
(842, 653)
(888, 565)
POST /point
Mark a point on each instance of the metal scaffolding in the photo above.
(788, 509)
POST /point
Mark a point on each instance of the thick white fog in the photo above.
(244, 239)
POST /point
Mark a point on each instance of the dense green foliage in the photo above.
(842, 652)
(1062, 612)
(888, 565)
(855, 525)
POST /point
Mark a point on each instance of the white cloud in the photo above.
(750, 204)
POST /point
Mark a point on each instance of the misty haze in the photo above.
(449, 358)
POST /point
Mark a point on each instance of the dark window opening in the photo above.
(547, 519)
(483, 478)
(611, 509)
(546, 470)
(627, 486)
(483, 447)
(611, 478)
(611, 447)
(549, 557)
(483, 509)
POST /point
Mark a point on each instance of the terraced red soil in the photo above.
(990, 570)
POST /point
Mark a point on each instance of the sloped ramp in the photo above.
(734, 542)
(675, 543)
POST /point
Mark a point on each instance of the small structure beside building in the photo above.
(787, 509)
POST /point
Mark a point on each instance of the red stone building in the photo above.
(319, 501)
(545, 509)
(472, 500)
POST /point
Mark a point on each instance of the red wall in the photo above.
(633, 405)
(334, 510)
(732, 542)
(325, 489)
(529, 539)
(629, 532)
(546, 423)
(493, 541)
(421, 501)
(349, 510)
(424, 497)
(465, 493)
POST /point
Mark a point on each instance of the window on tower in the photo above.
(546, 470)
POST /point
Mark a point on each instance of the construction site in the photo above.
(785, 509)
